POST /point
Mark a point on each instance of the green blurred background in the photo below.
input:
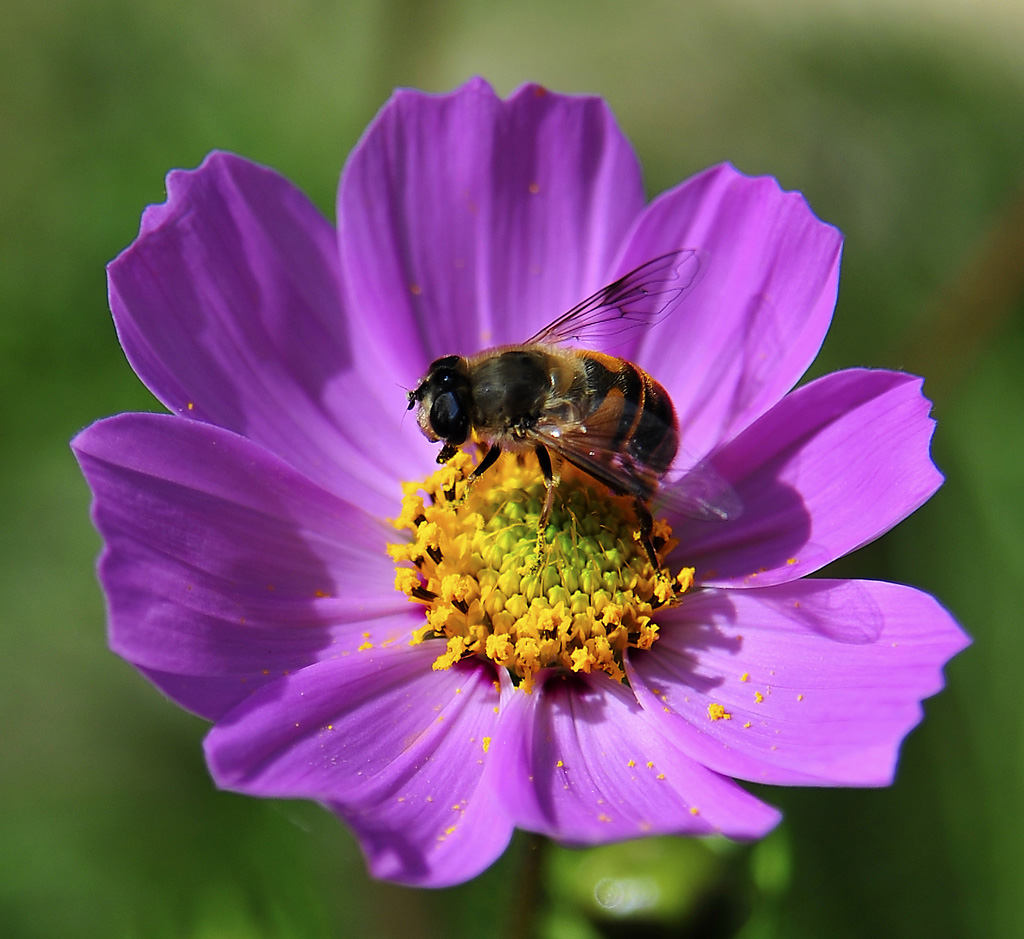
(905, 127)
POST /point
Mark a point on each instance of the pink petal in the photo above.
(228, 306)
(821, 679)
(580, 761)
(466, 221)
(222, 562)
(398, 749)
(755, 321)
(834, 465)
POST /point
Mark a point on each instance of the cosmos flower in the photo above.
(282, 559)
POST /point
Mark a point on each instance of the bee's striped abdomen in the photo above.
(646, 430)
(655, 439)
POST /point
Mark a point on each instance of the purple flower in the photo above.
(247, 568)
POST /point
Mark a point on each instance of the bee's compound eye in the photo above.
(448, 418)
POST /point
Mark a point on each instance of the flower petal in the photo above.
(834, 465)
(757, 317)
(228, 306)
(397, 749)
(207, 696)
(821, 679)
(467, 222)
(581, 762)
(223, 562)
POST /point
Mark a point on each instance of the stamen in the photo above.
(574, 596)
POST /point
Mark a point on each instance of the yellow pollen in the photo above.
(574, 597)
(717, 712)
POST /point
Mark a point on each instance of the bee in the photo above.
(603, 414)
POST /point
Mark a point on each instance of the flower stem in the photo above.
(527, 897)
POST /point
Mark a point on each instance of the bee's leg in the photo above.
(487, 462)
(550, 484)
(646, 520)
(446, 453)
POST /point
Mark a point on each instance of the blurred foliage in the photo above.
(903, 131)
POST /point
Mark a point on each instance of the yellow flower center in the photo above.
(575, 596)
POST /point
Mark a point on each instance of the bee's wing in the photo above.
(634, 301)
(697, 491)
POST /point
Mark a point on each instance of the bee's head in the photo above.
(444, 399)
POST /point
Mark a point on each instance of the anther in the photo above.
(573, 594)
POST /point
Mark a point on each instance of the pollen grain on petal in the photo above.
(717, 712)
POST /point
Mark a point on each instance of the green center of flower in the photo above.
(575, 596)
